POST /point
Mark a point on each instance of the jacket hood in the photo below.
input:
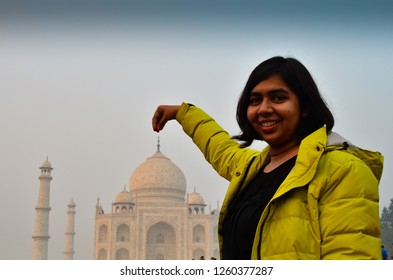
(374, 160)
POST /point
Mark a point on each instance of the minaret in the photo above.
(99, 210)
(70, 233)
(41, 227)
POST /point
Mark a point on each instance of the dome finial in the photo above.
(158, 143)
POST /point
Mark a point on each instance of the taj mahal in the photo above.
(155, 219)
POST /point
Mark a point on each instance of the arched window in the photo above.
(102, 233)
(102, 254)
(198, 234)
(198, 253)
(123, 233)
(159, 256)
(122, 254)
(161, 240)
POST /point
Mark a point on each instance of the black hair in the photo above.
(300, 81)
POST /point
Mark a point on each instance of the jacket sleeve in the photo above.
(219, 149)
(349, 211)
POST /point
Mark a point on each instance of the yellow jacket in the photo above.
(326, 208)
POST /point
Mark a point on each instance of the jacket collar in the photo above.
(374, 160)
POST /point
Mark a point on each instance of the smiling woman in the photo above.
(274, 113)
(309, 194)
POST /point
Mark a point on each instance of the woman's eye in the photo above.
(255, 100)
(279, 98)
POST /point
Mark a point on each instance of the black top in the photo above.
(245, 211)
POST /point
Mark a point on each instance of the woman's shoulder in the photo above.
(342, 152)
(340, 157)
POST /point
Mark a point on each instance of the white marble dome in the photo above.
(158, 180)
(195, 199)
(124, 197)
(46, 164)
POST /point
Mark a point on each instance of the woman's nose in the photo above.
(265, 107)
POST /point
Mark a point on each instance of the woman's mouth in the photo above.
(269, 123)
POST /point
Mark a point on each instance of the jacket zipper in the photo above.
(260, 233)
(239, 190)
(241, 183)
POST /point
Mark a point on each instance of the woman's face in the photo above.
(274, 112)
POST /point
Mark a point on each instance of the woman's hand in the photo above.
(162, 115)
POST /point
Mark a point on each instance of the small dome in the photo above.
(46, 164)
(124, 197)
(195, 199)
(71, 203)
(158, 179)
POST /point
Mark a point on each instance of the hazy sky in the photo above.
(79, 84)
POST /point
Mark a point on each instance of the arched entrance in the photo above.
(161, 242)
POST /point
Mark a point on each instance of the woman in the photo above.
(309, 194)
